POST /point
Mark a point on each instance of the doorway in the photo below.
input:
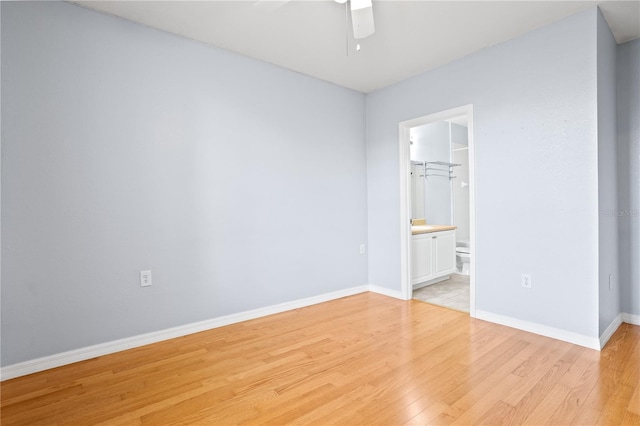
(458, 115)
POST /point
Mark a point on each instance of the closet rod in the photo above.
(444, 176)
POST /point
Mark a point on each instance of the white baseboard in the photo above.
(81, 354)
(543, 330)
(386, 292)
(631, 318)
(606, 335)
(432, 282)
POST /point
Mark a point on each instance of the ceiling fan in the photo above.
(361, 15)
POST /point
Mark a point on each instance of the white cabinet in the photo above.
(444, 259)
(433, 255)
(421, 254)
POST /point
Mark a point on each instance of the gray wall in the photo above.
(125, 148)
(609, 297)
(238, 183)
(535, 112)
(628, 85)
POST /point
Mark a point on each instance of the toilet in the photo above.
(463, 257)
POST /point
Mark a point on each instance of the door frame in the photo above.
(405, 198)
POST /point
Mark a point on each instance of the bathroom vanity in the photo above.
(433, 252)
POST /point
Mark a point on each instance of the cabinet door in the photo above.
(421, 253)
(444, 247)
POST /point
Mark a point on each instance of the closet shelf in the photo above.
(426, 168)
(442, 163)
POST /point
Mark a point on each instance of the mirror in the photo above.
(435, 166)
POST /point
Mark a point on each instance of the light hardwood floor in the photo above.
(365, 359)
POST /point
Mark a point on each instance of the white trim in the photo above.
(81, 354)
(543, 330)
(405, 201)
(606, 335)
(387, 292)
(431, 282)
(472, 212)
(405, 213)
(631, 318)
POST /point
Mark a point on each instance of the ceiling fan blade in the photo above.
(362, 18)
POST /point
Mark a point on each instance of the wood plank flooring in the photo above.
(365, 359)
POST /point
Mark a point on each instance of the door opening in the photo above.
(436, 174)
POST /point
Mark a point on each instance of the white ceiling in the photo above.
(411, 36)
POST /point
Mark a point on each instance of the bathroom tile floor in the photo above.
(452, 293)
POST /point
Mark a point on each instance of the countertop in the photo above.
(425, 229)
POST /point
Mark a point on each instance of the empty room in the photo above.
(344, 212)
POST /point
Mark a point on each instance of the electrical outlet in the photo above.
(526, 280)
(362, 249)
(145, 278)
